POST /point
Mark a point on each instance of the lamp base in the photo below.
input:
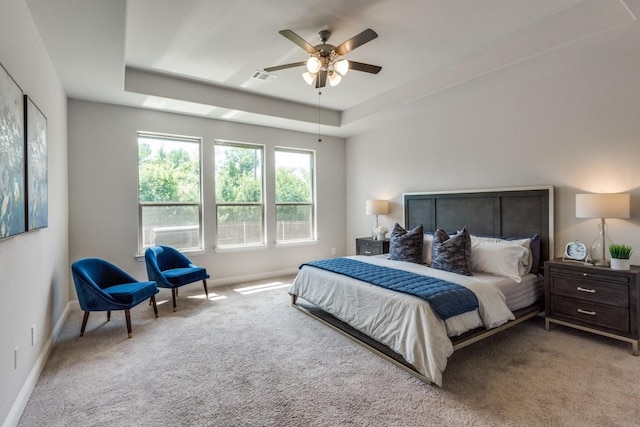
(600, 247)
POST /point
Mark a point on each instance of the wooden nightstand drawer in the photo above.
(369, 250)
(592, 314)
(368, 246)
(590, 289)
(584, 274)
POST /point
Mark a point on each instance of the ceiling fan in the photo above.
(325, 61)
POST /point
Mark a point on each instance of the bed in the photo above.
(405, 329)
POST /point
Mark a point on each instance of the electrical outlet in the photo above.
(15, 357)
(333, 251)
(33, 335)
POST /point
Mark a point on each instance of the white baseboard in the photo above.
(25, 393)
(74, 305)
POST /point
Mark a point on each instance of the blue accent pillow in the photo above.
(452, 253)
(406, 245)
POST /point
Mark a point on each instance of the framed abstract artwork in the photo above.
(12, 157)
(36, 179)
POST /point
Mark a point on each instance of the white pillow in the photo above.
(426, 248)
(526, 243)
(508, 258)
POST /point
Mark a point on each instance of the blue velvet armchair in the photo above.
(169, 268)
(102, 286)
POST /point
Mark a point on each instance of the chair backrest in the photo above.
(91, 276)
(166, 258)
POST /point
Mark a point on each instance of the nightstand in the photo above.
(368, 246)
(593, 299)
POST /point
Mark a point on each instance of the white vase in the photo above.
(620, 264)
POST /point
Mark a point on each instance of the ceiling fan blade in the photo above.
(282, 67)
(321, 79)
(354, 42)
(299, 41)
(367, 68)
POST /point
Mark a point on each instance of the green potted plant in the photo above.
(620, 255)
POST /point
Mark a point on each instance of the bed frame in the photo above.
(509, 212)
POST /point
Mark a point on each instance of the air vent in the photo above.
(263, 76)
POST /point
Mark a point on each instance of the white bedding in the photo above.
(403, 322)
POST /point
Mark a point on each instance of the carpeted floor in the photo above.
(250, 359)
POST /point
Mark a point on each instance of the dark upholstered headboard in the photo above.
(508, 212)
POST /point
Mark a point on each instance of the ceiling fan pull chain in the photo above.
(319, 136)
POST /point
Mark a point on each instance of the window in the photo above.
(295, 209)
(169, 192)
(239, 193)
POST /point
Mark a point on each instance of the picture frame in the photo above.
(37, 195)
(12, 157)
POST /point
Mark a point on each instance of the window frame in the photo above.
(261, 205)
(312, 204)
(198, 204)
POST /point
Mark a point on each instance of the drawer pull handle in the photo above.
(367, 252)
(585, 274)
(590, 313)
(591, 291)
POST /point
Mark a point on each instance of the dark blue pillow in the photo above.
(452, 253)
(406, 245)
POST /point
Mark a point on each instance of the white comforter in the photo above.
(404, 323)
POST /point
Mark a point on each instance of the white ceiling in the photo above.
(197, 57)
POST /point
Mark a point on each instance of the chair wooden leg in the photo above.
(155, 307)
(127, 315)
(84, 322)
(206, 291)
(174, 294)
(108, 316)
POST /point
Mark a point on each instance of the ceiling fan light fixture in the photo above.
(334, 78)
(309, 77)
(325, 62)
(313, 64)
(341, 67)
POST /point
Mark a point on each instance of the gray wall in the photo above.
(567, 118)
(103, 192)
(34, 268)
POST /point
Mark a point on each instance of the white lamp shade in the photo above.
(341, 66)
(377, 207)
(334, 78)
(603, 205)
(313, 64)
(309, 77)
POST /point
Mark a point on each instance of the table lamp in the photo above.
(602, 205)
(376, 207)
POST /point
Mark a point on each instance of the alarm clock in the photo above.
(575, 251)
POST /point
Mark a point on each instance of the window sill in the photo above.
(140, 257)
(243, 248)
(261, 247)
(296, 243)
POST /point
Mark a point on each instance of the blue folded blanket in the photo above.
(447, 299)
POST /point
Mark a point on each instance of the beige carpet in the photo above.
(250, 359)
